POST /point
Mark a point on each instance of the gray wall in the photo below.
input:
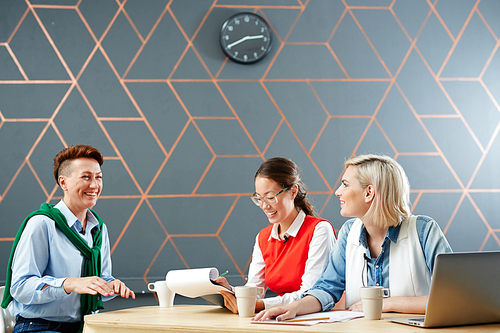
(183, 129)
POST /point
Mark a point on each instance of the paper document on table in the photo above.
(316, 318)
(194, 282)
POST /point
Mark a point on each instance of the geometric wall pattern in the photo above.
(183, 129)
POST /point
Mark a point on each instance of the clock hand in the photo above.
(241, 40)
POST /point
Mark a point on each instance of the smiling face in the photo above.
(82, 185)
(354, 199)
(282, 212)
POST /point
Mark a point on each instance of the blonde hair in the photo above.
(391, 203)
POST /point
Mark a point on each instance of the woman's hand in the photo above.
(358, 306)
(229, 298)
(230, 301)
(223, 282)
(398, 304)
(308, 304)
(279, 312)
(121, 289)
(92, 285)
(408, 304)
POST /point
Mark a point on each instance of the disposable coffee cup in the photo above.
(372, 299)
(165, 295)
(246, 297)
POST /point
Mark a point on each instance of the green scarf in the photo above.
(91, 267)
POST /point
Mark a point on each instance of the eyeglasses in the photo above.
(270, 199)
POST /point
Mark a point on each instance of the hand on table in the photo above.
(402, 304)
(94, 285)
(121, 289)
(308, 304)
(281, 313)
(358, 306)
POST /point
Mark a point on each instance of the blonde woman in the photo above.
(382, 245)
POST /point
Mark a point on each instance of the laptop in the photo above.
(465, 290)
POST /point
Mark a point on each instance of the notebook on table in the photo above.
(465, 290)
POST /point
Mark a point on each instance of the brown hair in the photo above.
(286, 173)
(64, 157)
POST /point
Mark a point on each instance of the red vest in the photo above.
(285, 262)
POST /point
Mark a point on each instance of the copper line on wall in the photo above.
(434, 143)
(488, 61)
(189, 45)
(139, 51)
(222, 242)
(242, 273)
(16, 61)
(9, 40)
(51, 42)
(238, 119)
(132, 24)
(382, 62)
(204, 174)
(455, 40)
(483, 157)
(271, 138)
(155, 177)
(282, 44)
(483, 219)
(35, 174)
(486, 24)
(127, 224)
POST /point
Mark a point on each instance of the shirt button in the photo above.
(378, 284)
(376, 266)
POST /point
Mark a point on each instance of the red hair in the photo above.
(71, 153)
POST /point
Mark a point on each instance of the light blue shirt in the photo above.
(331, 285)
(45, 256)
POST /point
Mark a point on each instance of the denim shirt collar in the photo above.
(392, 234)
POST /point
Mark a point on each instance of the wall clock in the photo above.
(246, 38)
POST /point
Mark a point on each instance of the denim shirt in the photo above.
(331, 285)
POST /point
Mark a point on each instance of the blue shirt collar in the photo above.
(392, 234)
(72, 220)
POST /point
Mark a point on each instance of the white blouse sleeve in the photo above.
(257, 269)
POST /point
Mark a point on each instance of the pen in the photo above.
(222, 274)
(306, 319)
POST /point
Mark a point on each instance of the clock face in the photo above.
(246, 38)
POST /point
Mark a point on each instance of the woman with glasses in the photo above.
(290, 254)
(384, 245)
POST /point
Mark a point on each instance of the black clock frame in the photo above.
(231, 55)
